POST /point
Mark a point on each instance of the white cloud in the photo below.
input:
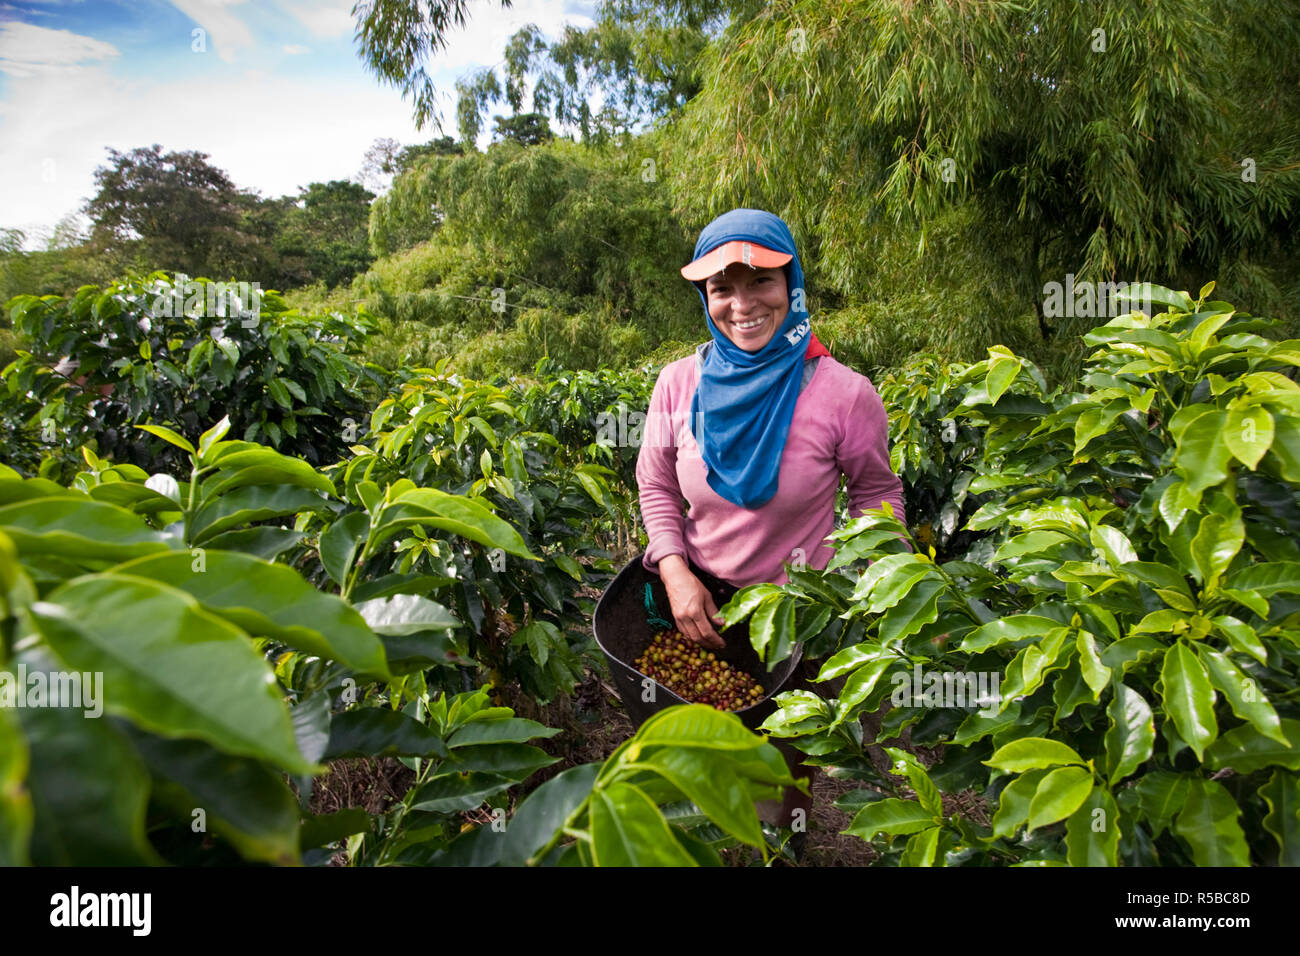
(54, 130)
(27, 50)
(226, 30)
(326, 20)
(295, 49)
(489, 28)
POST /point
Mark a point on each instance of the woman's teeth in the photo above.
(749, 325)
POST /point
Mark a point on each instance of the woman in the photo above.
(754, 431)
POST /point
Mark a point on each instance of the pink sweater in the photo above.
(839, 426)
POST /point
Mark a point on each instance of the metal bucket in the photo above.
(623, 633)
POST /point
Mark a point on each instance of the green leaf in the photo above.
(1095, 673)
(242, 465)
(890, 816)
(80, 529)
(381, 732)
(921, 848)
(920, 606)
(463, 516)
(1059, 794)
(499, 730)
(545, 810)
(88, 789)
(1013, 804)
(211, 437)
(1208, 823)
(242, 799)
(1216, 543)
(1273, 577)
(1007, 630)
(853, 657)
(167, 435)
(1248, 434)
(1161, 795)
(1131, 735)
(1032, 753)
(170, 666)
(339, 543)
(1282, 792)
(1202, 454)
(243, 506)
(406, 614)
(712, 785)
(1188, 698)
(1286, 447)
(455, 793)
(628, 830)
(1092, 832)
(1245, 698)
(270, 600)
(693, 725)
(927, 794)
(1246, 750)
(15, 798)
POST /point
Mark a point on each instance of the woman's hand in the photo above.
(692, 604)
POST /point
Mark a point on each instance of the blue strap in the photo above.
(651, 612)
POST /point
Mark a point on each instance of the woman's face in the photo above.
(748, 305)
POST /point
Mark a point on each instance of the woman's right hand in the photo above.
(692, 604)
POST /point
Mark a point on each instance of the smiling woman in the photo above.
(755, 432)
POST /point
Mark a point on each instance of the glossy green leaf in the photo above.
(921, 848)
(1246, 750)
(1032, 753)
(242, 799)
(80, 529)
(15, 800)
(499, 730)
(1243, 695)
(1013, 804)
(1092, 832)
(1248, 434)
(170, 666)
(627, 829)
(89, 791)
(890, 816)
(1007, 630)
(340, 542)
(1188, 698)
(1059, 794)
(1208, 823)
(243, 506)
(167, 435)
(1161, 795)
(545, 810)
(1131, 735)
(712, 785)
(1202, 454)
(270, 600)
(1282, 792)
(381, 732)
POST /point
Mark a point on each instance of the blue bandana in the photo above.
(742, 408)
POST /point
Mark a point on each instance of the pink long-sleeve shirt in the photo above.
(839, 427)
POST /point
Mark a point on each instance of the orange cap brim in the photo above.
(738, 250)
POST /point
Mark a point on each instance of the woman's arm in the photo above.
(863, 455)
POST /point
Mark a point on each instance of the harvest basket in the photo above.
(623, 631)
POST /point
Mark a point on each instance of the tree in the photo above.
(527, 129)
(397, 38)
(326, 232)
(379, 165)
(1109, 140)
(170, 211)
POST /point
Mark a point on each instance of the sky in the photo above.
(272, 90)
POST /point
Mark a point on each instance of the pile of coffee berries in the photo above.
(696, 674)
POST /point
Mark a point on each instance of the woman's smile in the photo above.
(748, 305)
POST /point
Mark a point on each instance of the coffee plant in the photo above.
(1134, 594)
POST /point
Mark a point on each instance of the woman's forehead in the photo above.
(738, 270)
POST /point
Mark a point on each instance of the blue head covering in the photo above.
(742, 408)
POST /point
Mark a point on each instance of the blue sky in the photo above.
(272, 90)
